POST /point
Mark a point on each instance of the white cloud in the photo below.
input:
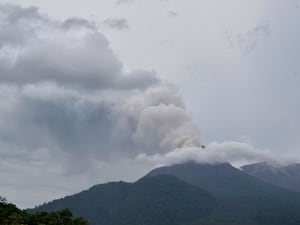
(237, 153)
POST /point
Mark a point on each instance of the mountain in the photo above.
(284, 176)
(159, 200)
(221, 179)
(240, 197)
(185, 194)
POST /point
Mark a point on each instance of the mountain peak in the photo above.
(220, 178)
(270, 166)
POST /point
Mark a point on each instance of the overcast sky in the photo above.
(102, 90)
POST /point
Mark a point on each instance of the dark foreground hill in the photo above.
(11, 215)
(185, 194)
(284, 176)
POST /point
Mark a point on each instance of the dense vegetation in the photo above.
(186, 194)
(241, 199)
(161, 200)
(11, 215)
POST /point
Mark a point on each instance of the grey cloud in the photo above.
(65, 91)
(173, 14)
(248, 41)
(17, 24)
(90, 64)
(83, 60)
(76, 22)
(15, 13)
(87, 125)
(119, 2)
(137, 79)
(51, 117)
(117, 23)
(123, 1)
(229, 38)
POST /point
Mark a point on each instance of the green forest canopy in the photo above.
(11, 215)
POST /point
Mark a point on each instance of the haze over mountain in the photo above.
(185, 194)
(287, 176)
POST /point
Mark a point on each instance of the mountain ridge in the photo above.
(185, 194)
(285, 176)
(132, 203)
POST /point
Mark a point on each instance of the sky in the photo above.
(104, 90)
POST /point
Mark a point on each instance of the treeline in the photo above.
(11, 215)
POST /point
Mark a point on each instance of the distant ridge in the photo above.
(284, 176)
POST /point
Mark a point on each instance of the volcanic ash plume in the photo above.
(163, 123)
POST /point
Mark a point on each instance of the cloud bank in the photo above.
(237, 153)
(64, 90)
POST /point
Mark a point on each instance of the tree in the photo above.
(11, 215)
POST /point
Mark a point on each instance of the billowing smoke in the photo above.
(163, 123)
(64, 91)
